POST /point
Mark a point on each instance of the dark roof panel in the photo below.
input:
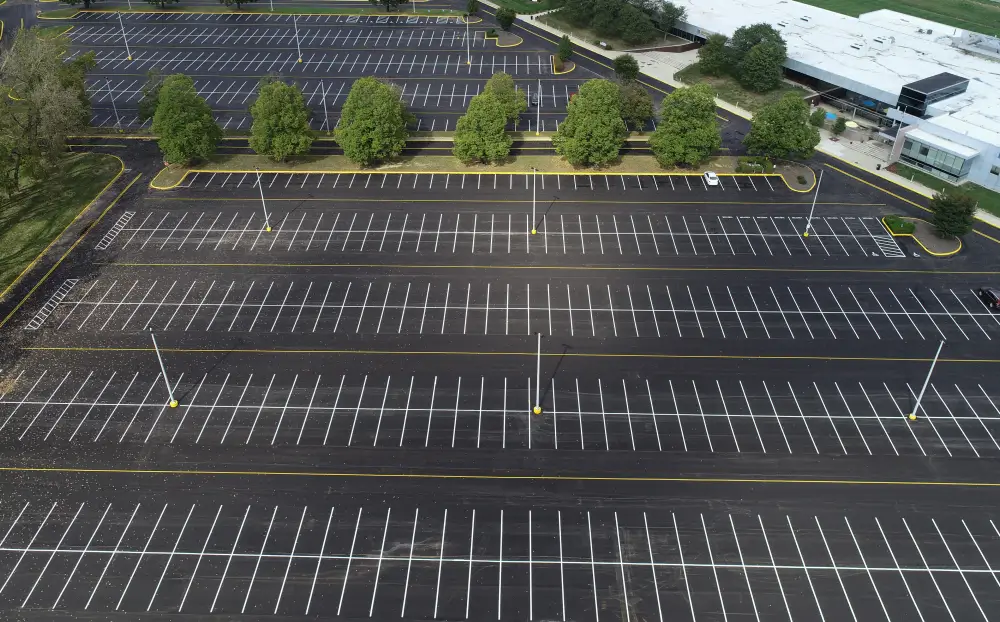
(936, 83)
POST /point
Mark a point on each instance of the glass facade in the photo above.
(935, 161)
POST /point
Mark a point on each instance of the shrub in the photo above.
(898, 225)
(492, 32)
(817, 118)
(839, 125)
(754, 164)
(801, 179)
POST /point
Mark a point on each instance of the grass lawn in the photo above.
(976, 15)
(556, 21)
(38, 213)
(48, 32)
(729, 90)
(988, 199)
(523, 7)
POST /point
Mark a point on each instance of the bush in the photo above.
(897, 225)
(817, 118)
(801, 179)
(839, 126)
(505, 17)
(754, 164)
(492, 32)
(607, 46)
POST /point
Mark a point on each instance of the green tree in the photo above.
(839, 126)
(162, 4)
(688, 132)
(782, 129)
(239, 3)
(86, 3)
(183, 122)
(636, 105)
(626, 67)
(746, 37)
(150, 94)
(954, 211)
(817, 118)
(514, 102)
(634, 26)
(565, 48)
(373, 121)
(579, 12)
(472, 7)
(388, 4)
(479, 133)
(280, 121)
(668, 15)
(593, 132)
(44, 100)
(605, 19)
(760, 68)
(715, 58)
(505, 17)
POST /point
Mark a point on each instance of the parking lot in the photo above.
(438, 63)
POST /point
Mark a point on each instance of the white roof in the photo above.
(936, 141)
(875, 54)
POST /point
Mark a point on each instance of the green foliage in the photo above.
(162, 3)
(898, 225)
(183, 122)
(280, 121)
(514, 102)
(715, 57)
(626, 67)
(634, 26)
(688, 132)
(239, 3)
(373, 121)
(150, 94)
(492, 32)
(472, 7)
(479, 133)
(593, 131)
(782, 129)
(505, 17)
(565, 48)
(801, 179)
(557, 64)
(754, 164)
(636, 105)
(817, 118)
(839, 126)
(605, 20)
(43, 101)
(579, 12)
(954, 211)
(760, 68)
(746, 37)
(668, 15)
(388, 4)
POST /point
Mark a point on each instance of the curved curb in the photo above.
(34, 261)
(466, 18)
(917, 240)
(552, 59)
(152, 182)
(789, 186)
(496, 38)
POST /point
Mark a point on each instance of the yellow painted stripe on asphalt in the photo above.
(610, 355)
(494, 477)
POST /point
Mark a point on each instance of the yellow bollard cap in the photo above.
(913, 416)
(537, 410)
(173, 403)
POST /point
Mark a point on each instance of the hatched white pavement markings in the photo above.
(841, 418)
(600, 556)
(466, 308)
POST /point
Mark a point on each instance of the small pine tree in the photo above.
(817, 118)
(839, 126)
(472, 7)
(565, 48)
(954, 211)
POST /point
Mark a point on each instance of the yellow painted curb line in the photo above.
(154, 186)
(1, 25)
(73, 16)
(465, 18)
(61, 233)
(559, 73)
(492, 477)
(497, 38)
(917, 240)
(78, 240)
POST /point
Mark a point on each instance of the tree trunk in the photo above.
(86, 4)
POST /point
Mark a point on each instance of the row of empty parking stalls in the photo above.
(561, 231)
(478, 412)
(274, 38)
(437, 562)
(243, 19)
(257, 63)
(569, 309)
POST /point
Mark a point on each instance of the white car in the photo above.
(710, 178)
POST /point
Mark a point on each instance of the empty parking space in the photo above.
(478, 412)
(484, 563)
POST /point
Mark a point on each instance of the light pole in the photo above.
(114, 106)
(267, 221)
(170, 389)
(295, 23)
(927, 380)
(812, 209)
(128, 53)
(468, 44)
(326, 114)
(538, 119)
(534, 186)
(538, 379)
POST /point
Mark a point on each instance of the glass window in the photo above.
(907, 145)
(924, 150)
(995, 170)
